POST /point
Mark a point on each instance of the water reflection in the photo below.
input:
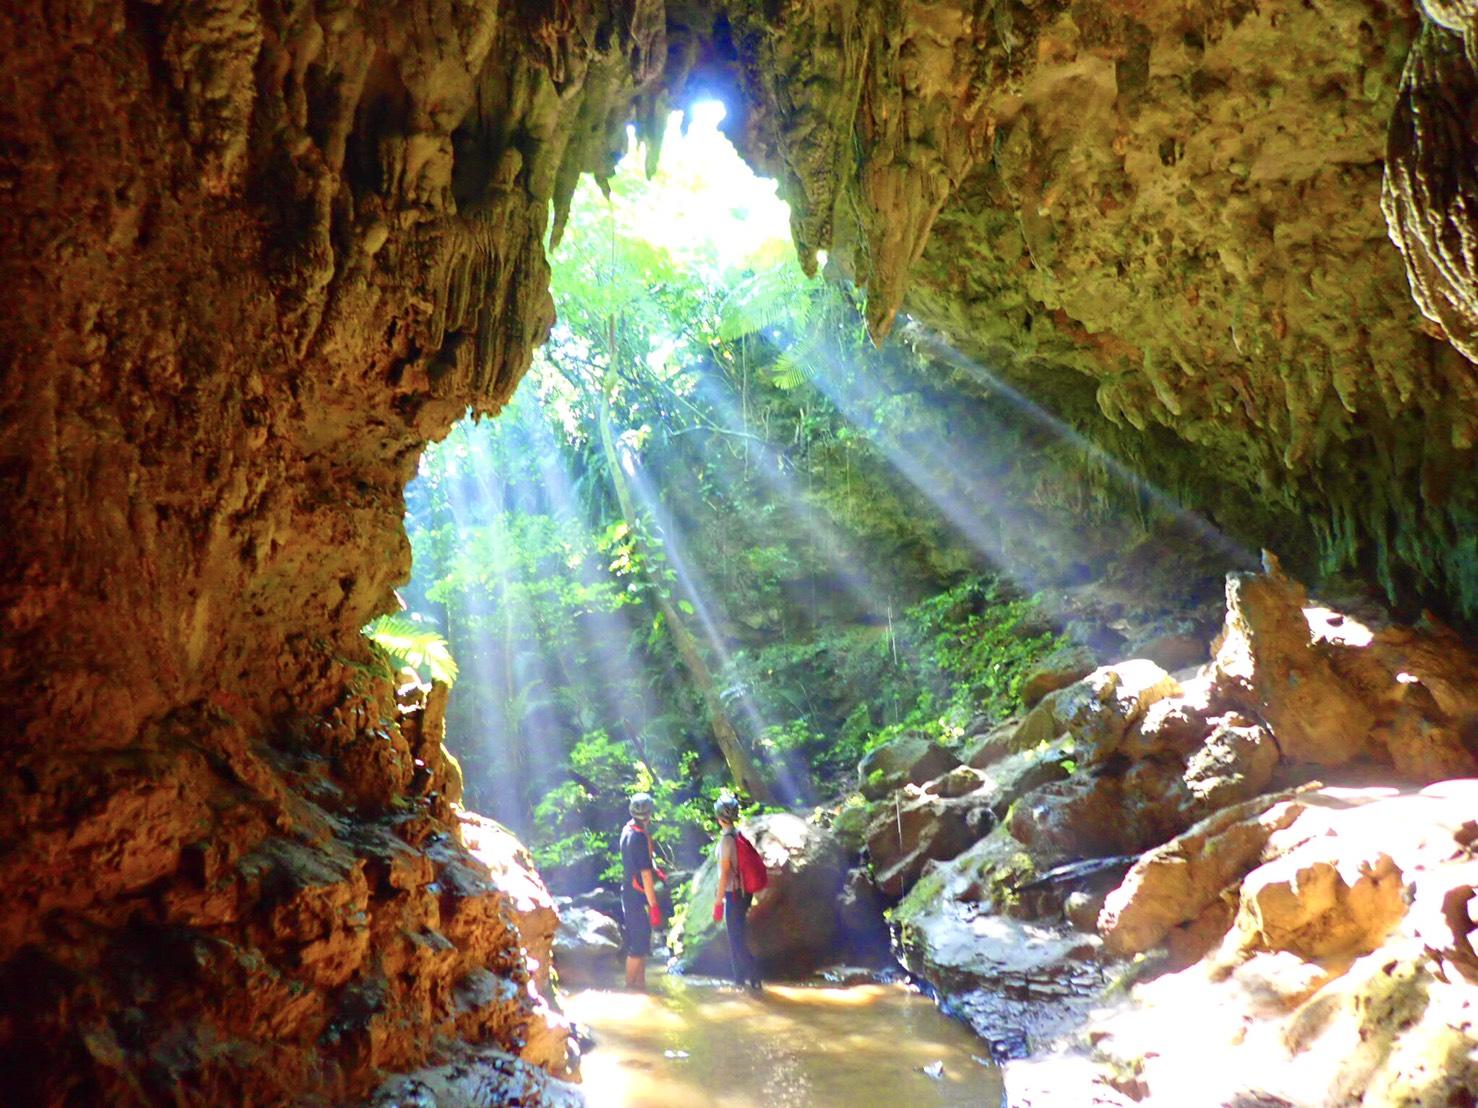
(694, 1042)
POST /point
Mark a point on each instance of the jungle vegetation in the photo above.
(674, 562)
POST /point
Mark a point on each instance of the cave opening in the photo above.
(658, 567)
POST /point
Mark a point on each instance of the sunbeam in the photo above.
(1192, 522)
(697, 592)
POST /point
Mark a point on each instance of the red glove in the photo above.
(654, 914)
(718, 910)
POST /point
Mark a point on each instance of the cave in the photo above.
(258, 256)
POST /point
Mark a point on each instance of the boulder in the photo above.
(1011, 778)
(794, 925)
(1060, 668)
(1174, 726)
(912, 831)
(1123, 805)
(1234, 763)
(909, 759)
(1333, 688)
(985, 749)
(1173, 884)
(953, 812)
(587, 946)
(1099, 709)
(958, 782)
(1038, 726)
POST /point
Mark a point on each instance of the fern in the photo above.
(412, 645)
(792, 368)
(767, 299)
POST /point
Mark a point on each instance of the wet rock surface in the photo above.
(478, 1080)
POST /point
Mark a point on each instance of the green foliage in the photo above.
(977, 646)
(762, 505)
(411, 644)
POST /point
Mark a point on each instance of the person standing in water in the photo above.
(639, 907)
(732, 902)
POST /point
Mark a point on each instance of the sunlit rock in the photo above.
(1173, 884)
(1338, 981)
(1059, 669)
(1099, 709)
(587, 945)
(1333, 688)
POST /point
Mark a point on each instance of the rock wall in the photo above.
(1165, 225)
(257, 255)
(1282, 838)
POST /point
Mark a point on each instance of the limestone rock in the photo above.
(794, 923)
(1333, 984)
(587, 946)
(1321, 907)
(477, 1078)
(983, 750)
(1039, 726)
(1429, 177)
(1176, 726)
(1234, 763)
(1058, 670)
(1332, 688)
(1015, 983)
(1175, 883)
(1099, 709)
(923, 828)
(911, 759)
(256, 256)
(529, 902)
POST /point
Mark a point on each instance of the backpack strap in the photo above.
(632, 825)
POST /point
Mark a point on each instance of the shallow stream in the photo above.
(693, 1041)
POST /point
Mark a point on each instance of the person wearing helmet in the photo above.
(732, 902)
(639, 906)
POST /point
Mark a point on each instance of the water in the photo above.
(694, 1042)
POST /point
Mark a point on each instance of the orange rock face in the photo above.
(255, 256)
(245, 284)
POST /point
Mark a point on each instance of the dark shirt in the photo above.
(636, 854)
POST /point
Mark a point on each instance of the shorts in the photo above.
(636, 928)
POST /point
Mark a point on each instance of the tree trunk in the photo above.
(741, 763)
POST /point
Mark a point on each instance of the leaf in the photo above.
(765, 300)
(415, 646)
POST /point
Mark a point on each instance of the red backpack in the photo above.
(752, 874)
